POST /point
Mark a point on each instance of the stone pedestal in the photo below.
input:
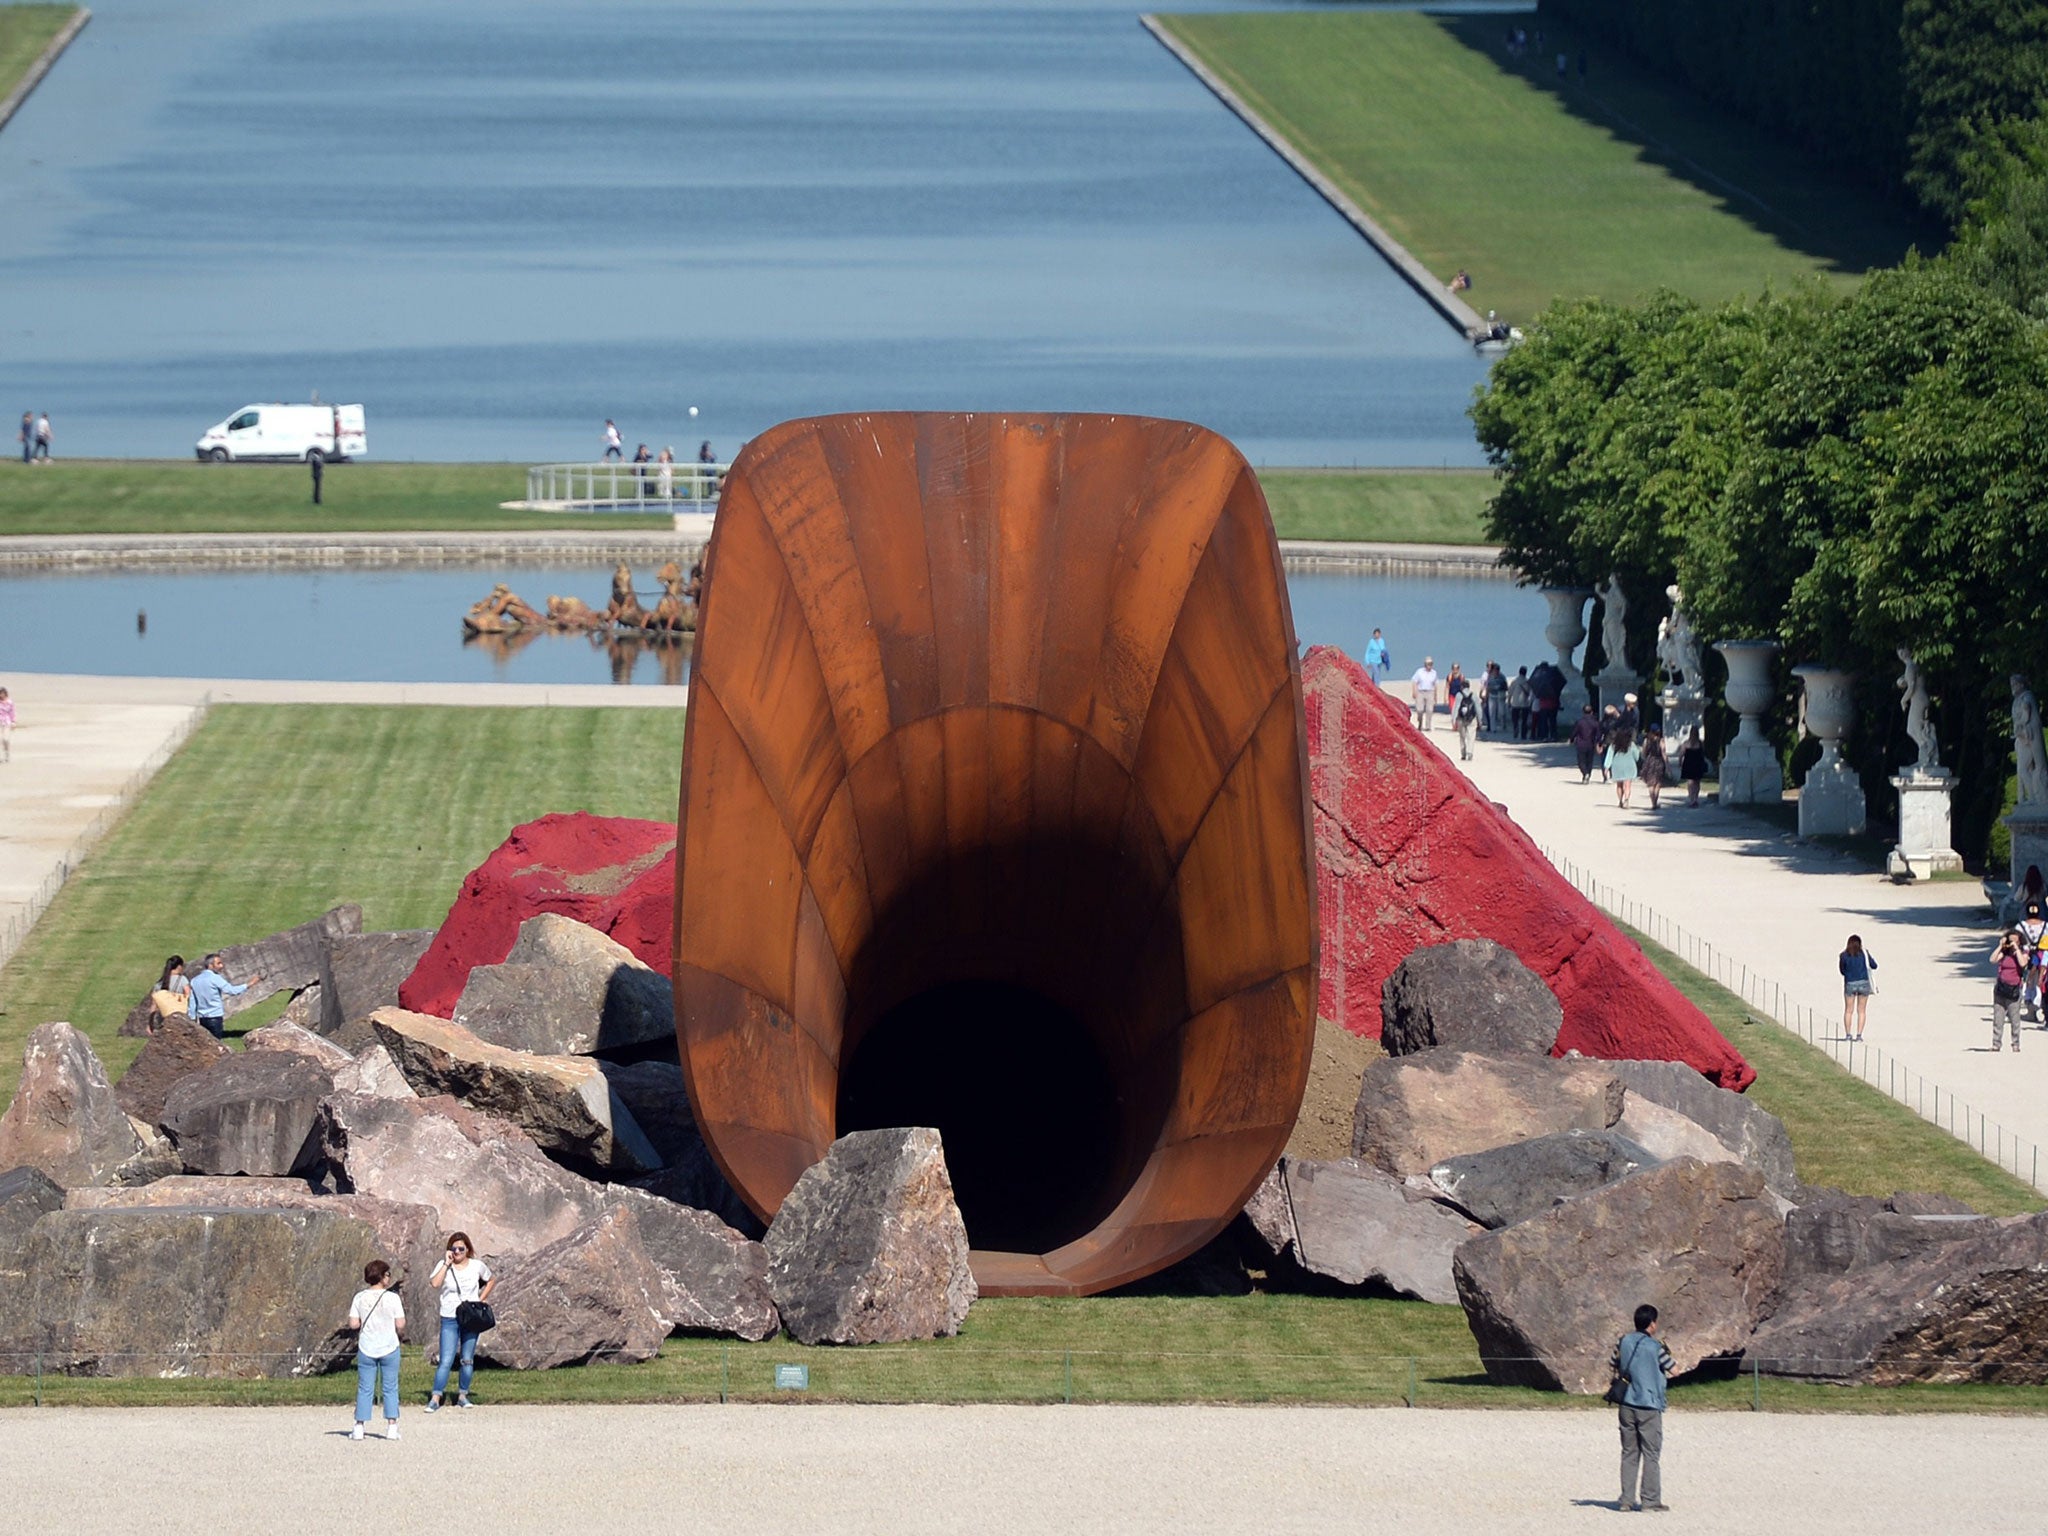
(2028, 825)
(1831, 799)
(1615, 685)
(1567, 627)
(1925, 844)
(1684, 711)
(1750, 774)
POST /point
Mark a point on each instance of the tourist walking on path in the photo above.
(6, 726)
(27, 436)
(1623, 763)
(463, 1277)
(2010, 961)
(1493, 704)
(1546, 685)
(43, 437)
(614, 445)
(1654, 767)
(1610, 723)
(1643, 1363)
(1693, 766)
(1456, 686)
(1422, 687)
(1377, 662)
(1856, 964)
(2034, 929)
(1465, 716)
(1586, 741)
(378, 1315)
(211, 990)
(1518, 704)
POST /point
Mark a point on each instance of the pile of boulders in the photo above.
(1550, 1196)
(211, 1213)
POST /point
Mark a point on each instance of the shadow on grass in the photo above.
(1793, 197)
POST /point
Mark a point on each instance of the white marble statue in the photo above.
(1678, 648)
(1919, 724)
(1614, 624)
(2026, 744)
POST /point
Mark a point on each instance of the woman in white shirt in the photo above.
(462, 1277)
(379, 1318)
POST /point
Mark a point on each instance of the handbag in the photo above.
(1617, 1386)
(474, 1315)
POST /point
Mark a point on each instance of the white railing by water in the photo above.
(613, 485)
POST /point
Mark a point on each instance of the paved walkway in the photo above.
(1782, 909)
(902, 1471)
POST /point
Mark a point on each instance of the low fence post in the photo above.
(1067, 1381)
(1413, 1371)
(1756, 1385)
(724, 1372)
(39, 1378)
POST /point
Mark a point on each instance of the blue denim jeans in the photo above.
(366, 1385)
(454, 1341)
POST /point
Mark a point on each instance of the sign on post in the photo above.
(792, 1378)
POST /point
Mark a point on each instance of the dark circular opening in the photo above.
(1028, 1110)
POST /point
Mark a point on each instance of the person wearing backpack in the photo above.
(1640, 1366)
(463, 1277)
(2034, 928)
(378, 1316)
(1465, 716)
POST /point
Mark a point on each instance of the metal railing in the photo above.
(1870, 1064)
(613, 485)
(15, 930)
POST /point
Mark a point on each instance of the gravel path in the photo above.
(905, 1470)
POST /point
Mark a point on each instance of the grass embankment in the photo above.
(273, 813)
(25, 31)
(172, 496)
(1542, 187)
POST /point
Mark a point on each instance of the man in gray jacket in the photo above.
(1643, 1360)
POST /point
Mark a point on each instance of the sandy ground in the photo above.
(903, 1470)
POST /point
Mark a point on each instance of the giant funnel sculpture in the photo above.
(995, 818)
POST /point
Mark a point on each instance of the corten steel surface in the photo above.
(995, 817)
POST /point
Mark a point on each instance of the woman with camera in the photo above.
(1855, 963)
(464, 1279)
(2010, 959)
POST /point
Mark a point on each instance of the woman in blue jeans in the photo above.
(462, 1277)
(378, 1317)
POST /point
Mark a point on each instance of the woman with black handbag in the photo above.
(466, 1283)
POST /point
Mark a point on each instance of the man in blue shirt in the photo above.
(211, 990)
(1642, 1358)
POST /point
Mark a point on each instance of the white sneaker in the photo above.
(390, 1431)
(356, 1433)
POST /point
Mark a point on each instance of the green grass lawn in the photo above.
(273, 813)
(1397, 506)
(180, 496)
(25, 31)
(1542, 188)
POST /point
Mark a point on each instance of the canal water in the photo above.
(499, 222)
(404, 625)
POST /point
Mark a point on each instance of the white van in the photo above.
(287, 432)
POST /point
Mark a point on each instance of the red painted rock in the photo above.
(1410, 853)
(615, 874)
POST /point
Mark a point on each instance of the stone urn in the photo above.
(1567, 627)
(1831, 799)
(1750, 774)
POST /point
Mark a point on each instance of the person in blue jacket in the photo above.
(211, 990)
(1377, 662)
(1856, 964)
(1643, 1360)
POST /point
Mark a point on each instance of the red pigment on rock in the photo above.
(616, 874)
(1410, 853)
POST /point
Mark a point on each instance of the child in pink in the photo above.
(6, 727)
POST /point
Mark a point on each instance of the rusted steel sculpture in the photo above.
(995, 817)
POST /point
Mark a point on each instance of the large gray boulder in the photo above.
(248, 1113)
(65, 1118)
(187, 1292)
(289, 961)
(653, 1093)
(1468, 994)
(564, 1103)
(409, 1237)
(178, 1049)
(869, 1247)
(1416, 1111)
(1356, 1225)
(1546, 1298)
(27, 1195)
(1268, 1212)
(483, 1175)
(283, 1036)
(567, 990)
(364, 971)
(1962, 1298)
(374, 1073)
(1838, 1234)
(713, 1280)
(1504, 1185)
(593, 1295)
(1751, 1133)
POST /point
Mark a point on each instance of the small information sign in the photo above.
(792, 1378)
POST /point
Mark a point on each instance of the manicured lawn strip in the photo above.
(25, 31)
(1534, 185)
(1396, 506)
(272, 814)
(1844, 1132)
(181, 496)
